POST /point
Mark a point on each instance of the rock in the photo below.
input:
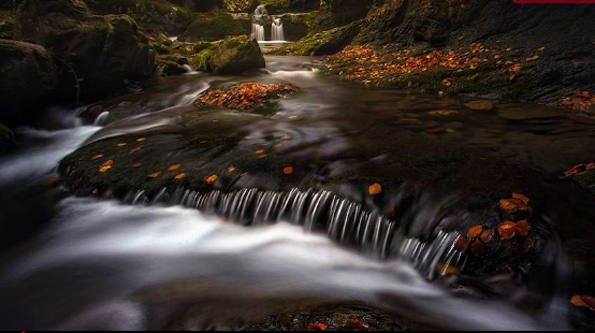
(336, 13)
(7, 139)
(297, 26)
(240, 6)
(233, 55)
(28, 77)
(322, 43)
(171, 65)
(213, 26)
(527, 113)
(482, 105)
(278, 7)
(153, 16)
(101, 53)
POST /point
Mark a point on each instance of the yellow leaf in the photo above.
(533, 58)
(141, 139)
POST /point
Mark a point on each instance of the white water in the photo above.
(258, 32)
(277, 31)
(125, 248)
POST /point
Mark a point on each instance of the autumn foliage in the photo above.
(243, 95)
(583, 100)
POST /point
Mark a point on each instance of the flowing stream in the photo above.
(94, 261)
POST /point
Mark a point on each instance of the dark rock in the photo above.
(233, 55)
(212, 26)
(336, 13)
(240, 6)
(97, 54)
(297, 26)
(7, 139)
(27, 79)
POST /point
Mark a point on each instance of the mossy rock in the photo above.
(240, 6)
(322, 43)
(232, 55)
(277, 7)
(213, 26)
(297, 26)
(97, 54)
(154, 16)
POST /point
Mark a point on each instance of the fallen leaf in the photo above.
(122, 144)
(355, 324)
(461, 244)
(155, 174)
(135, 149)
(105, 167)
(523, 227)
(446, 268)
(317, 327)
(533, 58)
(506, 230)
(286, 137)
(288, 170)
(211, 179)
(214, 121)
(259, 152)
(231, 169)
(136, 165)
(96, 157)
(141, 139)
(487, 236)
(375, 189)
(180, 176)
(474, 231)
(583, 301)
(521, 197)
(95, 192)
(174, 167)
(513, 205)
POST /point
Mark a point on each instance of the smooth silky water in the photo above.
(92, 258)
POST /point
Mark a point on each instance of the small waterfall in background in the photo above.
(277, 32)
(258, 23)
(258, 32)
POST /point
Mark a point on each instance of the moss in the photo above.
(213, 26)
(325, 42)
(201, 60)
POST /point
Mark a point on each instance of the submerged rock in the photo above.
(232, 55)
(98, 54)
(27, 79)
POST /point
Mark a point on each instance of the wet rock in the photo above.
(527, 113)
(240, 6)
(297, 26)
(7, 139)
(213, 26)
(97, 54)
(233, 55)
(28, 76)
(322, 43)
(482, 105)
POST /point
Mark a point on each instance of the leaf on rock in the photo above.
(135, 149)
(355, 324)
(461, 244)
(317, 326)
(155, 174)
(487, 236)
(136, 165)
(105, 167)
(583, 301)
(523, 227)
(474, 231)
(96, 157)
(141, 139)
(375, 189)
(288, 170)
(180, 176)
(174, 167)
(521, 197)
(507, 230)
(211, 179)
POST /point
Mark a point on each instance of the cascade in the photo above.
(277, 32)
(345, 221)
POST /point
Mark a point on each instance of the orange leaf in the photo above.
(231, 169)
(506, 230)
(523, 227)
(155, 174)
(121, 144)
(174, 167)
(259, 152)
(96, 157)
(355, 324)
(446, 268)
(375, 189)
(317, 327)
(180, 176)
(533, 58)
(135, 149)
(474, 231)
(288, 170)
(211, 179)
(141, 139)
(106, 166)
(521, 197)
(136, 165)
(286, 137)
(512, 205)
(583, 301)
(487, 236)
(461, 244)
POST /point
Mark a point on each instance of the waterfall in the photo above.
(277, 32)
(345, 221)
(258, 31)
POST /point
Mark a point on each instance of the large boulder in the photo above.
(98, 54)
(232, 55)
(336, 13)
(297, 25)
(213, 26)
(28, 77)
